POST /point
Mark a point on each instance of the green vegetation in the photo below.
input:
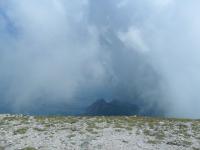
(195, 148)
(71, 136)
(39, 129)
(29, 148)
(153, 141)
(184, 143)
(2, 148)
(56, 119)
(20, 131)
(22, 119)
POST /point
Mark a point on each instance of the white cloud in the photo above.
(160, 4)
(57, 48)
(133, 39)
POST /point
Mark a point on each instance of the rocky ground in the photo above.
(19, 132)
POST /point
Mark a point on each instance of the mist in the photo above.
(71, 53)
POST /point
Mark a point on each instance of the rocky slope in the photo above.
(93, 133)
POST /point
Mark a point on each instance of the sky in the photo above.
(75, 52)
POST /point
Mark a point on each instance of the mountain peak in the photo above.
(113, 108)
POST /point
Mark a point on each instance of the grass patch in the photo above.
(153, 142)
(29, 148)
(180, 143)
(73, 128)
(129, 128)
(22, 119)
(2, 148)
(39, 129)
(89, 129)
(118, 130)
(20, 131)
(94, 132)
(195, 148)
(160, 135)
(71, 136)
(40, 119)
(118, 125)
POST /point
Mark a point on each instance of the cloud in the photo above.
(133, 39)
(59, 51)
(49, 52)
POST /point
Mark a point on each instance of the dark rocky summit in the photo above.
(113, 108)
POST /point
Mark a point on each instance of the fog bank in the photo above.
(55, 52)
